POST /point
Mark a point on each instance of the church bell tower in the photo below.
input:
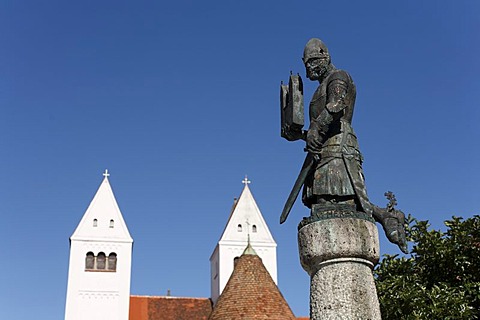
(245, 223)
(100, 262)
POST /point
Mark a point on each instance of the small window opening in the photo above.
(101, 261)
(95, 223)
(111, 223)
(112, 261)
(254, 228)
(239, 228)
(89, 261)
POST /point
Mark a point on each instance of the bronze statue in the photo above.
(332, 176)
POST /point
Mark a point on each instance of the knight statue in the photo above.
(331, 177)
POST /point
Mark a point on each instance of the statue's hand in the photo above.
(317, 132)
(314, 140)
(292, 134)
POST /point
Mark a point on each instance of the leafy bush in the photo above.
(439, 279)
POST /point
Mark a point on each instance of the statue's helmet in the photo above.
(315, 48)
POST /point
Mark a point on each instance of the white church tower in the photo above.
(245, 221)
(100, 262)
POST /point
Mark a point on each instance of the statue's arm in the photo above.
(317, 133)
(336, 93)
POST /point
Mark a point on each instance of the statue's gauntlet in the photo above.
(317, 132)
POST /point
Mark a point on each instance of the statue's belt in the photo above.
(324, 154)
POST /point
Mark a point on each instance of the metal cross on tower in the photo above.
(246, 181)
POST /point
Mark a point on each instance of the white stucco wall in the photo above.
(98, 295)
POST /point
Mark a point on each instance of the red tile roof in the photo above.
(169, 308)
(199, 308)
(251, 293)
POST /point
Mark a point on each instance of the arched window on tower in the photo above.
(112, 262)
(95, 222)
(111, 223)
(89, 261)
(101, 261)
(254, 228)
(239, 228)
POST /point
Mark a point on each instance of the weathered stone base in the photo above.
(343, 289)
(339, 255)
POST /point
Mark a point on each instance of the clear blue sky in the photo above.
(181, 100)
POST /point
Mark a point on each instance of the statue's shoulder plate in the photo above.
(340, 75)
(341, 90)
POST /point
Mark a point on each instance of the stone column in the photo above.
(339, 254)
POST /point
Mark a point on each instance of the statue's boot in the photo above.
(393, 223)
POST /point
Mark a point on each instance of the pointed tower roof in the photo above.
(103, 219)
(249, 249)
(251, 293)
(245, 209)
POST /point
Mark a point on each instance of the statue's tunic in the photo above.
(338, 172)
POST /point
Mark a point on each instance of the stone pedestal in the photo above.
(339, 255)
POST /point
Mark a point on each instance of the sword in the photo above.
(308, 164)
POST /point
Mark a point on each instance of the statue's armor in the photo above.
(338, 173)
(331, 175)
(333, 80)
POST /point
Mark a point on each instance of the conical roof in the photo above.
(103, 219)
(245, 212)
(251, 294)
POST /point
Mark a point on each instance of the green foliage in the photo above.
(439, 279)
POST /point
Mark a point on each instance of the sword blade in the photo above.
(306, 168)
